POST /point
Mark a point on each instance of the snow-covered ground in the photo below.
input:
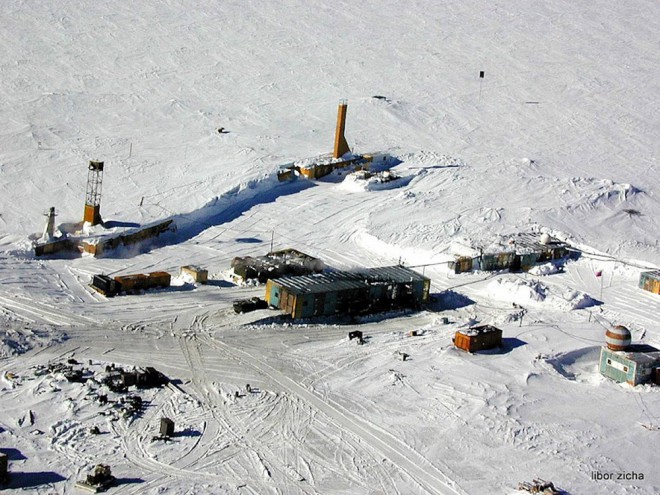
(560, 136)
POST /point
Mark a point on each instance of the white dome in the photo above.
(546, 239)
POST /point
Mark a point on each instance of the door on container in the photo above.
(283, 298)
(319, 304)
(290, 303)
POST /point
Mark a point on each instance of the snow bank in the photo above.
(596, 192)
(409, 255)
(534, 293)
(233, 202)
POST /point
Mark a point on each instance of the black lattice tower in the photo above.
(93, 195)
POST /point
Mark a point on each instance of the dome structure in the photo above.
(546, 239)
(618, 338)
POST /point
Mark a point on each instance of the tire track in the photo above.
(190, 349)
(420, 469)
(43, 313)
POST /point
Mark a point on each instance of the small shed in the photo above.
(650, 281)
(478, 338)
(198, 274)
(166, 427)
(635, 365)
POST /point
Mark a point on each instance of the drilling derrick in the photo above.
(341, 146)
(93, 195)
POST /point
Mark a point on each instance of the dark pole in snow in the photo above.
(272, 235)
(481, 79)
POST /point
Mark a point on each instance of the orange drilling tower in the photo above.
(93, 195)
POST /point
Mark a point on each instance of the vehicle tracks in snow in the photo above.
(420, 469)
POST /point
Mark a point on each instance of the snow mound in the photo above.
(430, 159)
(365, 181)
(17, 339)
(535, 293)
(597, 192)
(544, 269)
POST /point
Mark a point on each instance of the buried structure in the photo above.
(348, 293)
(520, 253)
(287, 262)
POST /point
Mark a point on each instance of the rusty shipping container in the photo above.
(158, 279)
(478, 338)
(128, 283)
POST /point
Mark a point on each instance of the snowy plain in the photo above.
(560, 136)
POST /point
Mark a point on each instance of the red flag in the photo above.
(599, 273)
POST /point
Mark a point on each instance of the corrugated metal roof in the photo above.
(339, 281)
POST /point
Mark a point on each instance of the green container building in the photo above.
(635, 365)
(347, 293)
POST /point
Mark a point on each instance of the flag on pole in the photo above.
(481, 74)
(599, 273)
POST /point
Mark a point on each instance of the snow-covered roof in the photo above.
(641, 354)
(652, 274)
